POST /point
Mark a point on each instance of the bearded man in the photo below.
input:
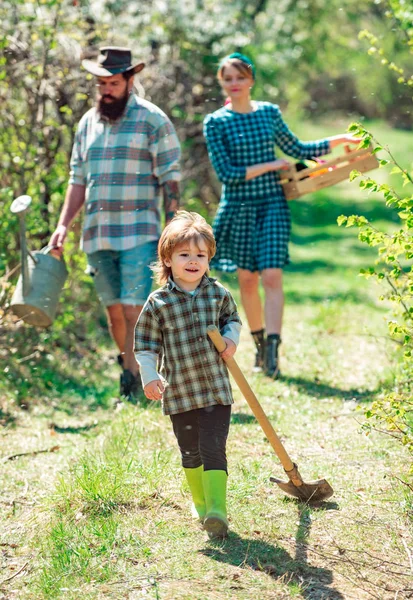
(125, 157)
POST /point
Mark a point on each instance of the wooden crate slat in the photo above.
(337, 162)
(297, 183)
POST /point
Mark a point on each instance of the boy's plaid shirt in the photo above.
(173, 325)
(122, 166)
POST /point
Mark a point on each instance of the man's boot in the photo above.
(259, 340)
(196, 487)
(272, 363)
(215, 489)
(130, 386)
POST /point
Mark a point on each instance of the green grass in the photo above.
(106, 515)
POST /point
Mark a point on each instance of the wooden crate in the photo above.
(297, 183)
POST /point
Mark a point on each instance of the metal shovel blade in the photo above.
(315, 491)
(312, 492)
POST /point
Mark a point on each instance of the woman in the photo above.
(252, 225)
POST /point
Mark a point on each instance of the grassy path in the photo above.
(105, 515)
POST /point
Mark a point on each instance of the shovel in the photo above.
(312, 492)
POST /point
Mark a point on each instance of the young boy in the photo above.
(193, 382)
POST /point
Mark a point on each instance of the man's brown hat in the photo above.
(111, 61)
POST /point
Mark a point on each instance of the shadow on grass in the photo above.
(351, 297)
(314, 583)
(71, 390)
(7, 419)
(310, 266)
(320, 390)
(242, 419)
(324, 208)
(79, 429)
(66, 371)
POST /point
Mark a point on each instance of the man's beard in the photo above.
(111, 111)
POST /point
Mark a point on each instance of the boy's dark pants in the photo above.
(202, 436)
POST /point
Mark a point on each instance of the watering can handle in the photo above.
(49, 248)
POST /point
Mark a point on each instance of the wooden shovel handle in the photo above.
(250, 397)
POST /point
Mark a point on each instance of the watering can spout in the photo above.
(19, 207)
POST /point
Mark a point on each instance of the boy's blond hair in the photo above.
(184, 227)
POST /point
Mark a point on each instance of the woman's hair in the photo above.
(238, 64)
(239, 61)
(184, 227)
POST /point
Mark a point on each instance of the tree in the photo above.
(42, 97)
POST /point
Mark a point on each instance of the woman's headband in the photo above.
(240, 57)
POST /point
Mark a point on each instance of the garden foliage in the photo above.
(392, 413)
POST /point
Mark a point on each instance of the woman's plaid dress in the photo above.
(252, 225)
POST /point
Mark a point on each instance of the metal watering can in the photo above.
(42, 277)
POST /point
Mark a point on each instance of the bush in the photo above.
(393, 412)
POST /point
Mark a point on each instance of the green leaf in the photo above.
(66, 110)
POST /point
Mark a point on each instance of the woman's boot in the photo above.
(196, 487)
(272, 363)
(259, 340)
(215, 488)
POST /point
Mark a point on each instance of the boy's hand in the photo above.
(230, 349)
(154, 390)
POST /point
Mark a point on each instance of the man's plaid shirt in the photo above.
(122, 166)
(173, 326)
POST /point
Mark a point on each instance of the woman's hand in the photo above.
(280, 165)
(345, 138)
(154, 390)
(229, 350)
(262, 168)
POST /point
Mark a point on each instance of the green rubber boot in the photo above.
(215, 489)
(195, 482)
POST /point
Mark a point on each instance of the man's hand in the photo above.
(154, 390)
(170, 199)
(230, 349)
(58, 237)
(74, 200)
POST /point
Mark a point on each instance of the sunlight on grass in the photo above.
(85, 540)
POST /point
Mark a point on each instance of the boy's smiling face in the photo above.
(189, 263)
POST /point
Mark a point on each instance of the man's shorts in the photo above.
(123, 276)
